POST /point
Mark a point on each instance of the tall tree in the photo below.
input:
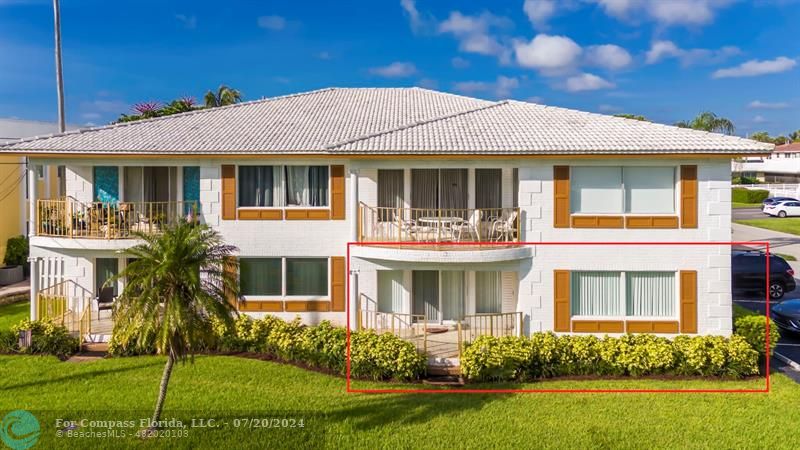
(708, 121)
(177, 283)
(224, 96)
(794, 135)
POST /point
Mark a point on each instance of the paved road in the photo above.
(785, 243)
(748, 213)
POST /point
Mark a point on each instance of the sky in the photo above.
(665, 59)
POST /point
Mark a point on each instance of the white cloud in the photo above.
(474, 33)
(416, 20)
(90, 116)
(759, 119)
(586, 82)
(274, 23)
(609, 56)
(606, 108)
(550, 54)
(427, 83)
(758, 104)
(534, 99)
(324, 55)
(756, 67)
(189, 22)
(665, 12)
(662, 49)
(539, 11)
(502, 87)
(459, 62)
(396, 69)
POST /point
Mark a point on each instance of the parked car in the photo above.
(749, 269)
(773, 200)
(783, 209)
(787, 315)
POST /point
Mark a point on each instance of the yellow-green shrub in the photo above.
(754, 330)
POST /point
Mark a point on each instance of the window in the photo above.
(307, 276)
(488, 188)
(281, 186)
(104, 270)
(618, 190)
(391, 193)
(488, 292)
(617, 294)
(260, 276)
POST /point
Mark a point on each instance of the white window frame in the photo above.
(258, 208)
(675, 192)
(624, 297)
(284, 295)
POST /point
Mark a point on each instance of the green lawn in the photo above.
(13, 313)
(787, 225)
(737, 205)
(226, 388)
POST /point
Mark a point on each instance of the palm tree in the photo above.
(708, 121)
(177, 283)
(223, 96)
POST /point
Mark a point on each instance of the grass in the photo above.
(786, 225)
(11, 314)
(226, 388)
(786, 257)
(737, 205)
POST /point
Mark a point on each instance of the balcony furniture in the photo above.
(105, 300)
(470, 226)
(441, 227)
(504, 229)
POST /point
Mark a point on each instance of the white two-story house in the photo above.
(460, 213)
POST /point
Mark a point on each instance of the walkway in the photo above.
(23, 287)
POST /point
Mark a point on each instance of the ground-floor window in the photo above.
(104, 270)
(284, 277)
(618, 294)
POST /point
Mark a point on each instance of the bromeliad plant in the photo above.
(177, 284)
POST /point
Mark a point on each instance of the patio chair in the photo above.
(504, 228)
(105, 300)
(470, 226)
(408, 227)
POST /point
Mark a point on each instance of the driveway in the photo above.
(785, 243)
(748, 213)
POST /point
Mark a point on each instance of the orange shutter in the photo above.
(338, 283)
(337, 193)
(688, 301)
(561, 196)
(561, 300)
(688, 196)
(230, 268)
(229, 192)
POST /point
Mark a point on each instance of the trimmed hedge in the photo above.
(546, 355)
(753, 328)
(47, 338)
(373, 356)
(744, 195)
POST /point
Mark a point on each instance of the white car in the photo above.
(783, 209)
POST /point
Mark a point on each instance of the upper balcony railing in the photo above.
(69, 218)
(441, 225)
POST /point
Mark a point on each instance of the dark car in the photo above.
(774, 200)
(748, 271)
(787, 315)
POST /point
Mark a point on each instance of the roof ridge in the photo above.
(170, 116)
(413, 124)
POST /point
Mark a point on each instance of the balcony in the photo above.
(70, 218)
(438, 226)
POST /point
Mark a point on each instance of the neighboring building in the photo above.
(13, 187)
(782, 166)
(291, 180)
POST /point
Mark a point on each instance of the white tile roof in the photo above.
(386, 121)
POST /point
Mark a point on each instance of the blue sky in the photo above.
(665, 59)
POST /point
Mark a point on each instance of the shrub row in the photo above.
(376, 357)
(545, 355)
(744, 195)
(47, 338)
(753, 328)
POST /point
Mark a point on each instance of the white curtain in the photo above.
(279, 189)
(596, 190)
(452, 295)
(650, 294)
(390, 291)
(649, 190)
(297, 186)
(596, 294)
(488, 292)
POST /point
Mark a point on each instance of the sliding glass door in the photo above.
(426, 293)
(439, 295)
(439, 188)
(452, 293)
(150, 184)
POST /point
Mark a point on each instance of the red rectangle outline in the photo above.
(766, 390)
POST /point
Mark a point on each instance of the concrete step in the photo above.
(93, 349)
(444, 380)
(443, 371)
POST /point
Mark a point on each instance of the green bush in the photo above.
(17, 252)
(9, 342)
(383, 357)
(545, 355)
(744, 180)
(48, 338)
(753, 329)
(744, 195)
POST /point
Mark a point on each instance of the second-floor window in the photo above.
(622, 190)
(283, 186)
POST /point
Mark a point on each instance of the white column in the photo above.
(354, 205)
(32, 198)
(353, 300)
(34, 281)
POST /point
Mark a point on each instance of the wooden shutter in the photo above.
(337, 193)
(231, 269)
(561, 196)
(688, 196)
(688, 291)
(561, 300)
(228, 192)
(509, 290)
(338, 283)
